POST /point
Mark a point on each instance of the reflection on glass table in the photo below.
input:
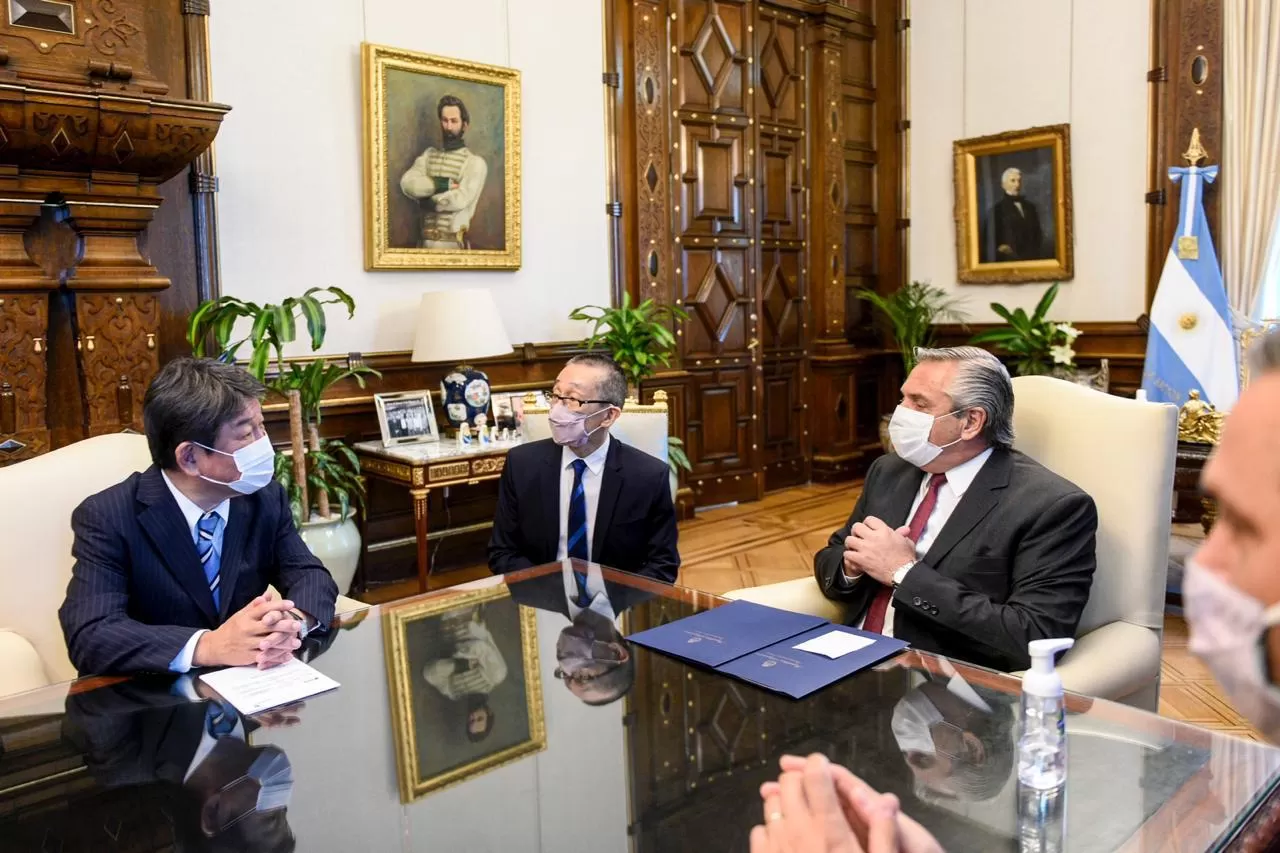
(541, 729)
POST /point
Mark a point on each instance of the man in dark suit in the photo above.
(1013, 226)
(978, 548)
(172, 565)
(581, 493)
(191, 751)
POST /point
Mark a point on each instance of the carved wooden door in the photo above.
(717, 259)
(118, 356)
(24, 322)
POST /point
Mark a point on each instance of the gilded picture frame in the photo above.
(505, 725)
(1013, 207)
(441, 162)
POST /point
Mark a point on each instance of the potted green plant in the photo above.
(1034, 343)
(317, 473)
(637, 337)
(912, 312)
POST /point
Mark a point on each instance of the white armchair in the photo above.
(643, 426)
(1121, 452)
(38, 496)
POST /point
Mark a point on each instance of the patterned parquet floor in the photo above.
(774, 540)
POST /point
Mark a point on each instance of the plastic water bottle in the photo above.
(1042, 735)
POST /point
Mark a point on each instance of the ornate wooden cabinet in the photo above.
(90, 132)
(756, 179)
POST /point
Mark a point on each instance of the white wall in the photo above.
(980, 67)
(291, 212)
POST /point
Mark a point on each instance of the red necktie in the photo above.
(880, 604)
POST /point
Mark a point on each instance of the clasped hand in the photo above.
(874, 548)
(262, 633)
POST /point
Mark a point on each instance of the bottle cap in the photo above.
(1042, 678)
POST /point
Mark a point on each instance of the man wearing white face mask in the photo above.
(172, 565)
(1231, 590)
(583, 494)
(959, 544)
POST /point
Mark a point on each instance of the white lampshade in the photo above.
(456, 325)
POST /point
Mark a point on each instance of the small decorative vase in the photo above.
(336, 542)
(465, 394)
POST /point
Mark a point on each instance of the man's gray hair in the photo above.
(981, 382)
(1264, 355)
(1012, 170)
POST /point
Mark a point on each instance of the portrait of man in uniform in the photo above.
(442, 162)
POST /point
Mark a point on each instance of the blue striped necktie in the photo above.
(577, 530)
(206, 530)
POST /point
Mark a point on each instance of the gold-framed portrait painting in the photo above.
(465, 687)
(442, 162)
(1013, 207)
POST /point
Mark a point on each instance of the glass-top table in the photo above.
(504, 715)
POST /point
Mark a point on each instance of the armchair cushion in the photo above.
(801, 595)
(20, 665)
(1115, 661)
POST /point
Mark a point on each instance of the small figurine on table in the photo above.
(482, 431)
(1199, 422)
(464, 435)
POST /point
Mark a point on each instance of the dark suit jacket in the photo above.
(635, 522)
(1013, 563)
(547, 593)
(1019, 231)
(138, 590)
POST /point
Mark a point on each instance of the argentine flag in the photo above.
(1191, 344)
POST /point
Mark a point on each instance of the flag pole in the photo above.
(1195, 151)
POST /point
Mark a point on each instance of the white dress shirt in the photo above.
(599, 603)
(959, 479)
(193, 514)
(592, 476)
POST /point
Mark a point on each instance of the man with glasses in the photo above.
(582, 494)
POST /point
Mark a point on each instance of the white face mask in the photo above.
(256, 463)
(909, 431)
(1227, 631)
(913, 718)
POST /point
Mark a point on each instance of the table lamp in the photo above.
(456, 325)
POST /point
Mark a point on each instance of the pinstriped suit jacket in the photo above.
(138, 591)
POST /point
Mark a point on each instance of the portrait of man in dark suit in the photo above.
(584, 494)
(1013, 225)
(172, 566)
(958, 543)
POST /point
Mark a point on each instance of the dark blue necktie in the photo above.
(206, 531)
(577, 530)
(218, 720)
(584, 597)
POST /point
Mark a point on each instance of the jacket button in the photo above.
(916, 601)
(926, 605)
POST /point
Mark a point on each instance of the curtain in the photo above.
(1251, 141)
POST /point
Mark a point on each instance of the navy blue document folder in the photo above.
(785, 669)
(717, 636)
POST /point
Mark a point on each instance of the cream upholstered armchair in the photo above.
(38, 497)
(1121, 452)
(644, 426)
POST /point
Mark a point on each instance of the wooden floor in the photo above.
(774, 540)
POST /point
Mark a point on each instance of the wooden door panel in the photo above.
(785, 433)
(780, 93)
(719, 303)
(782, 186)
(119, 356)
(714, 179)
(24, 323)
(720, 426)
(782, 293)
(712, 39)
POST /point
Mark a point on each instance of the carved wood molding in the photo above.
(656, 276)
(119, 357)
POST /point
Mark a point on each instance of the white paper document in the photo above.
(833, 644)
(251, 690)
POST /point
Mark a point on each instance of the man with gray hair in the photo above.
(959, 544)
(1013, 230)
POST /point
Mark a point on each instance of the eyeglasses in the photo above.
(573, 403)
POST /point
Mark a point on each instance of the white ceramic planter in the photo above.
(336, 543)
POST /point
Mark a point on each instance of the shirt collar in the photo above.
(190, 511)
(595, 462)
(961, 477)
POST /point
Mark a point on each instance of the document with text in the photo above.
(251, 690)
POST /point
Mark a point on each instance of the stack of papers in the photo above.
(790, 653)
(251, 690)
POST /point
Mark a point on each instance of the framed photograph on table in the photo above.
(442, 162)
(466, 688)
(1013, 207)
(406, 417)
(508, 408)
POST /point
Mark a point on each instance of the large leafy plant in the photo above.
(1035, 343)
(639, 339)
(912, 311)
(316, 473)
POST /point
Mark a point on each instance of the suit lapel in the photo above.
(981, 497)
(233, 539)
(610, 488)
(165, 525)
(906, 485)
(550, 484)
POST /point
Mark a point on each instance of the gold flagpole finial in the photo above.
(1195, 151)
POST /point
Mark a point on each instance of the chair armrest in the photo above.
(1112, 662)
(347, 605)
(799, 596)
(20, 666)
